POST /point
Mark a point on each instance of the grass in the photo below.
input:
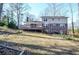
(69, 38)
(39, 43)
(76, 34)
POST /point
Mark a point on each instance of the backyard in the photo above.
(38, 43)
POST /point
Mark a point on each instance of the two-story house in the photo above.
(55, 24)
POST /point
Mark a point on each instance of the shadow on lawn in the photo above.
(63, 51)
(10, 33)
(6, 32)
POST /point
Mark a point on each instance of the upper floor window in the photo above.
(52, 18)
(27, 19)
(45, 19)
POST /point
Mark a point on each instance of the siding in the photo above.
(32, 26)
(53, 24)
(56, 28)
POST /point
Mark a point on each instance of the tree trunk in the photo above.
(78, 15)
(1, 7)
(72, 19)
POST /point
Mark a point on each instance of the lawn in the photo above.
(38, 43)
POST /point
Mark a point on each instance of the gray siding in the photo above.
(56, 28)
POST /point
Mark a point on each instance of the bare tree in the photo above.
(78, 14)
(19, 9)
(1, 7)
(71, 11)
(53, 9)
(8, 12)
(8, 15)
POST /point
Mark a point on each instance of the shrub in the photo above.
(77, 30)
(77, 36)
(12, 25)
(2, 23)
(68, 38)
(18, 31)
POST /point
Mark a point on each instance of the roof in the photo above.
(34, 22)
(53, 17)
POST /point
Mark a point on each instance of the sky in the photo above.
(37, 8)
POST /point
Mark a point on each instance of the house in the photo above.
(32, 25)
(48, 24)
(55, 24)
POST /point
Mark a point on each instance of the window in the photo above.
(61, 25)
(33, 25)
(27, 19)
(45, 19)
(57, 24)
(59, 19)
(52, 18)
(65, 24)
(54, 24)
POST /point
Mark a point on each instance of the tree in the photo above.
(19, 9)
(1, 7)
(4, 22)
(7, 13)
(78, 14)
(71, 11)
(8, 16)
(54, 9)
(12, 24)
